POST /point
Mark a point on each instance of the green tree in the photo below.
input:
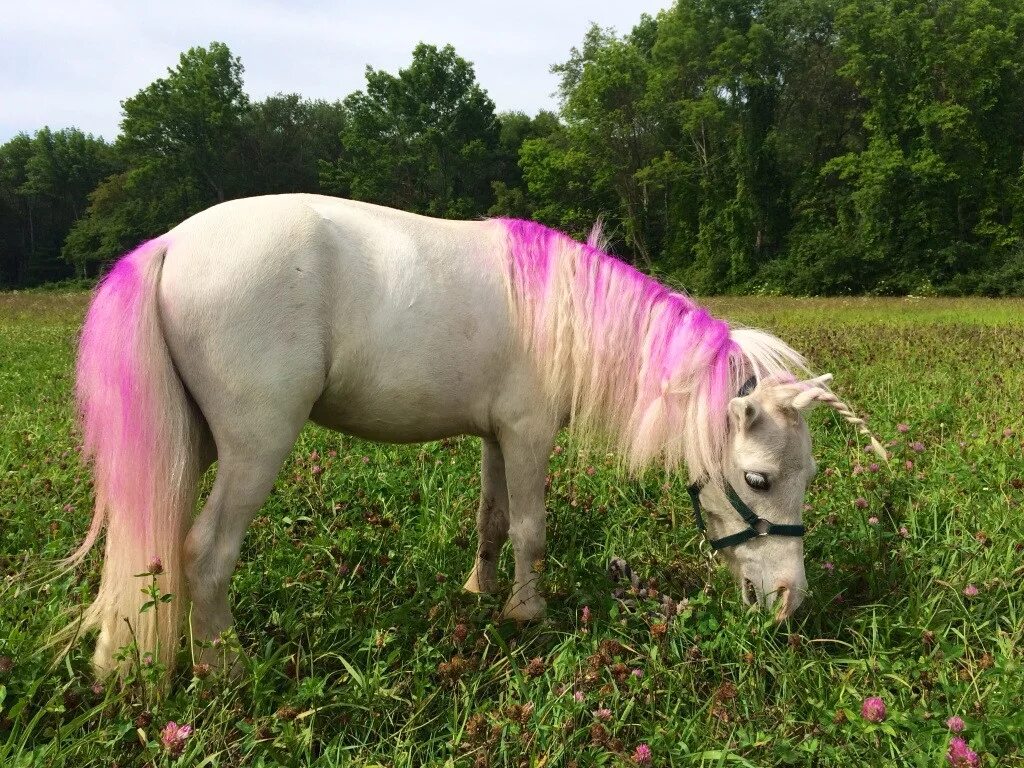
(45, 181)
(936, 194)
(181, 140)
(284, 139)
(423, 140)
(511, 197)
(17, 220)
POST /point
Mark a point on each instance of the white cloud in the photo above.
(65, 62)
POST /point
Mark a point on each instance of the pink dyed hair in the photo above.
(139, 434)
(643, 366)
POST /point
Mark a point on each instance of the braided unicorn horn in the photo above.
(817, 392)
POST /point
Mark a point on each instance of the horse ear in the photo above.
(745, 411)
(811, 393)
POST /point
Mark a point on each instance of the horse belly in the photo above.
(421, 380)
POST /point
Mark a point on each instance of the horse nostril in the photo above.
(783, 594)
(749, 593)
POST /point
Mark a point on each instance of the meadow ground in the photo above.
(361, 648)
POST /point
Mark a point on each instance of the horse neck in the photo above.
(629, 359)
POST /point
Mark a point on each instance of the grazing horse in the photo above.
(221, 338)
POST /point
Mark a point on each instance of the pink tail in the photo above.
(140, 433)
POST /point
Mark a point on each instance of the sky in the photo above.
(70, 62)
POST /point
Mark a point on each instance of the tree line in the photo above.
(791, 146)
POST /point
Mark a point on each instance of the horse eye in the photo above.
(757, 481)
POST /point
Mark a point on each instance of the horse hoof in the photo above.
(522, 611)
(474, 585)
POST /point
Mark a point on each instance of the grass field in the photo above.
(361, 648)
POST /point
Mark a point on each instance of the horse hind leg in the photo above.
(246, 471)
(491, 520)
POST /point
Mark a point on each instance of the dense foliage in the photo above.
(361, 649)
(800, 146)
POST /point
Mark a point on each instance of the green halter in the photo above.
(756, 526)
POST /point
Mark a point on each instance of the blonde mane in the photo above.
(643, 367)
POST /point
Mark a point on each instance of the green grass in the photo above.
(361, 648)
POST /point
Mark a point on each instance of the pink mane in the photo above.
(643, 366)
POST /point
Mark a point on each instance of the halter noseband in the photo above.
(756, 526)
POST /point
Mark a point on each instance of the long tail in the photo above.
(140, 431)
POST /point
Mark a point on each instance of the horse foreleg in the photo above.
(526, 463)
(491, 519)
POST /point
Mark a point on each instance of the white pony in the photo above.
(218, 340)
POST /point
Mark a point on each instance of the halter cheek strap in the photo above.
(756, 526)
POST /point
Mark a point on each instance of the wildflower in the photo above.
(6, 665)
(904, 532)
(578, 696)
(1007, 432)
(174, 736)
(603, 714)
(451, 671)
(520, 713)
(970, 591)
(955, 724)
(585, 615)
(558, 450)
(535, 668)
(828, 566)
(642, 755)
(366, 459)
(873, 709)
(902, 428)
(147, 660)
(960, 755)
(69, 508)
(155, 567)
(314, 456)
(857, 470)
(637, 673)
(861, 503)
(477, 728)
(97, 689)
(873, 467)
(460, 634)
(917, 447)
(332, 454)
(872, 520)
(591, 471)
(201, 670)
(908, 465)
(316, 469)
